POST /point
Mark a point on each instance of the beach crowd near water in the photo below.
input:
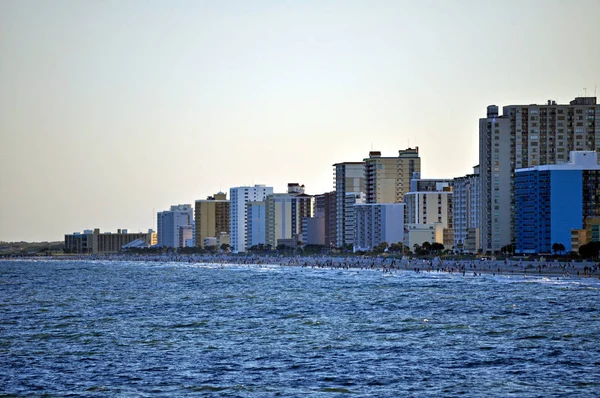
(470, 267)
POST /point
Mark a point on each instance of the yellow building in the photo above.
(211, 217)
(387, 179)
(590, 233)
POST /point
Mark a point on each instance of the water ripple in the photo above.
(135, 329)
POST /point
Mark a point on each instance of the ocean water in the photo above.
(168, 329)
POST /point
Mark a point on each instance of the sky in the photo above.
(111, 111)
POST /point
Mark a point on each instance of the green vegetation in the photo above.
(31, 248)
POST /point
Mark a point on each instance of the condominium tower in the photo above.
(256, 221)
(324, 206)
(377, 223)
(239, 196)
(387, 179)
(212, 217)
(432, 207)
(349, 189)
(467, 212)
(526, 136)
(284, 214)
(170, 222)
(553, 200)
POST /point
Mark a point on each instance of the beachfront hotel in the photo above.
(285, 213)
(433, 207)
(238, 198)
(349, 182)
(466, 212)
(377, 223)
(526, 136)
(212, 218)
(174, 226)
(552, 200)
(325, 207)
(387, 179)
(256, 222)
(95, 242)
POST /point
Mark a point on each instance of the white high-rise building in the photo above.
(170, 222)
(377, 223)
(238, 197)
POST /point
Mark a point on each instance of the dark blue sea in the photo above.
(85, 328)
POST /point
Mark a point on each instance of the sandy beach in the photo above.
(473, 267)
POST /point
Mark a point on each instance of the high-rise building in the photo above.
(212, 217)
(387, 179)
(186, 236)
(169, 223)
(377, 223)
(285, 213)
(350, 200)
(466, 212)
(552, 200)
(239, 196)
(526, 136)
(349, 185)
(418, 184)
(256, 224)
(324, 206)
(431, 207)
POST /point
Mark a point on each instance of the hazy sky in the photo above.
(113, 110)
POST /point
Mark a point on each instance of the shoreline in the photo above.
(465, 267)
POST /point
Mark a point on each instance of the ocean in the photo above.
(100, 328)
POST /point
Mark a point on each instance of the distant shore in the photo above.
(474, 267)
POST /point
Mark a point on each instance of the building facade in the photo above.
(212, 217)
(169, 222)
(432, 208)
(466, 212)
(285, 214)
(256, 224)
(526, 136)
(387, 179)
(377, 223)
(417, 234)
(239, 196)
(313, 231)
(418, 184)
(552, 200)
(94, 242)
(324, 206)
(349, 182)
(589, 233)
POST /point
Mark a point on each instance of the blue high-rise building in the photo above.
(552, 200)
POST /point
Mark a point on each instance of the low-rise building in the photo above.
(589, 233)
(417, 234)
(94, 242)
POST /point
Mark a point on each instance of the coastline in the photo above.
(384, 264)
